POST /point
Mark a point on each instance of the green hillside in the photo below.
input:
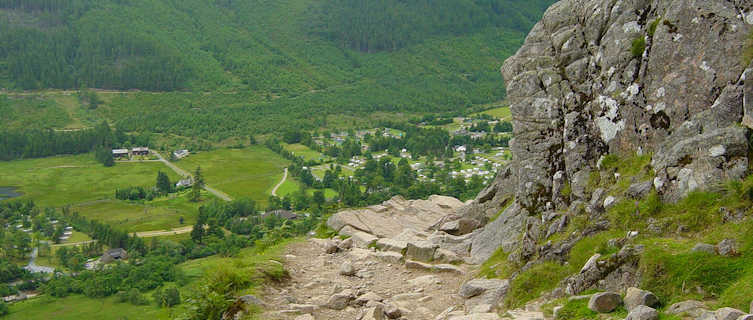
(252, 65)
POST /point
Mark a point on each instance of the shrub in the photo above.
(531, 283)
(673, 277)
(3, 309)
(639, 46)
(167, 297)
(497, 266)
(652, 27)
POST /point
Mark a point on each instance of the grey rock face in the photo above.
(635, 297)
(727, 247)
(643, 313)
(604, 302)
(577, 92)
(340, 300)
(728, 314)
(476, 287)
(690, 307)
(639, 190)
(420, 250)
(347, 269)
(704, 247)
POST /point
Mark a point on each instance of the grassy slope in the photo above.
(257, 62)
(89, 188)
(250, 262)
(668, 266)
(250, 172)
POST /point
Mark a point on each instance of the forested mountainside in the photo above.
(276, 47)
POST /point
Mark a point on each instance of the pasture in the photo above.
(250, 172)
(502, 113)
(305, 152)
(66, 180)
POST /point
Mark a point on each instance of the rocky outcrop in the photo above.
(598, 77)
(392, 217)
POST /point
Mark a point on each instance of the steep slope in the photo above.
(601, 77)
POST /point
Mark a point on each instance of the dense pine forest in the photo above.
(245, 67)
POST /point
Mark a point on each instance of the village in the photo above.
(467, 160)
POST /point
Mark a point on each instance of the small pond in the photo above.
(8, 193)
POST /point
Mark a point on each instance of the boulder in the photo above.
(420, 250)
(395, 215)
(345, 244)
(374, 313)
(728, 314)
(328, 245)
(751, 307)
(340, 300)
(347, 269)
(388, 257)
(304, 317)
(604, 302)
(387, 244)
(635, 297)
(360, 239)
(639, 190)
(727, 248)
(460, 226)
(392, 311)
(369, 296)
(689, 307)
(476, 287)
(704, 247)
(746, 317)
(642, 312)
(446, 256)
(591, 263)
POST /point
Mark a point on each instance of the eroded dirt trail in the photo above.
(316, 279)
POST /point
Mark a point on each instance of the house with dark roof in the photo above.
(282, 214)
(113, 255)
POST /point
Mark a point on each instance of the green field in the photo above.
(80, 307)
(305, 152)
(502, 113)
(250, 172)
(160, 214)
(288, 187)
(64, 180)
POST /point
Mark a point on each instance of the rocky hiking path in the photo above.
(402, 259)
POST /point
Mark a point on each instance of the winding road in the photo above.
(34, 268)
(284, 177)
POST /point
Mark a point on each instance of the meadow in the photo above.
(66, 180)
(502, 113)
(305, 152)
(249, 172)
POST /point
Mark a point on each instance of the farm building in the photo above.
(184, 183)
(113, 255)
(140, 151)
(282, 214)
(120, 153)
(180, 154)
